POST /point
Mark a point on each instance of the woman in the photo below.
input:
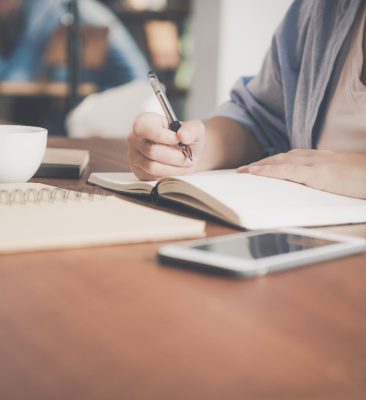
(303, 116)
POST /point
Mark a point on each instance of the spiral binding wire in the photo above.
(36, 196)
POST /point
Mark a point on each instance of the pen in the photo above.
(174, 124)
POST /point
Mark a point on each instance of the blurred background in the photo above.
(78, 67)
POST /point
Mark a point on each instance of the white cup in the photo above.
(22, 149)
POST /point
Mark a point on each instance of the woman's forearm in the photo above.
(227, 145)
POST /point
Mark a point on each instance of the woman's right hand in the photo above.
(153, 150)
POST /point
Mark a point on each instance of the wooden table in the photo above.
(112, 323)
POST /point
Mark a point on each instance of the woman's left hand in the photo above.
(333, 171)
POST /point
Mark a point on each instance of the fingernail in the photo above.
(182, 135)
(242, 169)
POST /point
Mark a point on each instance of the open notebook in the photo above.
(36, 216)
(248, 201)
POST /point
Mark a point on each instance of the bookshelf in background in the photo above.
(161, 28)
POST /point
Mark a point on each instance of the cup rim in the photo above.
(21, 129)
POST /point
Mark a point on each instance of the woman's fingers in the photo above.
(191, 132)
(306, 157)
(147, 169)
(154, 149)
(153, 127)
(337, 172)
(292, 172)
(170, 155)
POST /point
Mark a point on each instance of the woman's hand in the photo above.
(337, 172)
(153, 150)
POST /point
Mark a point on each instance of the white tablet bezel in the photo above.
(183, 252)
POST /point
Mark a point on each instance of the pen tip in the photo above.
(189, 152)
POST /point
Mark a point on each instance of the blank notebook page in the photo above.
(266, 202)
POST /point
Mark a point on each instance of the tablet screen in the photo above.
(264, 245)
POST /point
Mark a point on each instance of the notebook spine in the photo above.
(155, 194)
(35, 196)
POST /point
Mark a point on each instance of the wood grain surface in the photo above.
(112, 323)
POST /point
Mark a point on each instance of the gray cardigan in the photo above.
(284, 105)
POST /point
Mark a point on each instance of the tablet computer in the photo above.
(262, 252)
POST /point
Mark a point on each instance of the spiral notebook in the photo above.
(37, 217)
